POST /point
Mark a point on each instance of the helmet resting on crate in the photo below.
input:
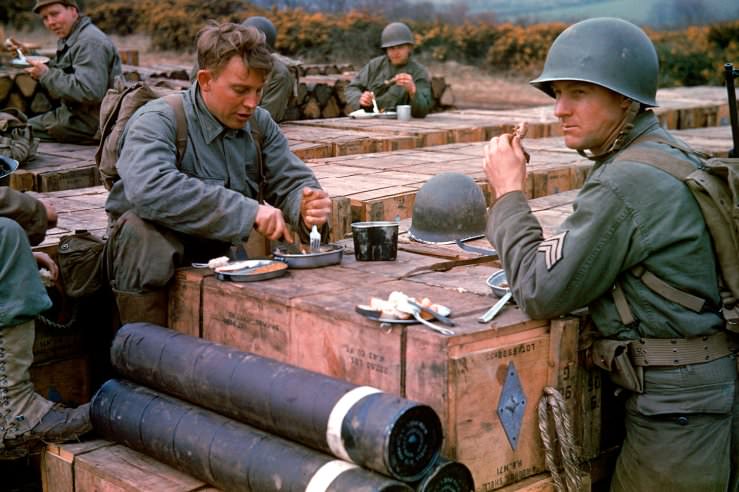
(449, 207)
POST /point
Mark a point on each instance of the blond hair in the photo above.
(218, 43)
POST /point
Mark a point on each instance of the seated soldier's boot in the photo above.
(62, 424)
(146, 307)
(22, 410)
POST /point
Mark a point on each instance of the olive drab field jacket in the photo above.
(22, 295)
(280, 89)
(626, 214)
(212, 194)
(373, 77)
(86, 64)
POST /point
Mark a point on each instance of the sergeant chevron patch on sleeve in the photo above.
(553, 249)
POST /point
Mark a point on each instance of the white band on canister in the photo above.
(325, 475)
(336, 418)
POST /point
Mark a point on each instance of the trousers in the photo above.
(682, 433)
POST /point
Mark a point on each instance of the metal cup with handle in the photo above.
(498, 283)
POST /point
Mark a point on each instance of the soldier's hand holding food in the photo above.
(365, 100)
(315, 206)
(504, 163)
(270, 223)
(43, 260)
(37, 69)
(405, 81)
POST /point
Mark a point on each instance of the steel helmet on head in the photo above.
(265, 25)
(605, 51)
(449, 207)
(396, 33)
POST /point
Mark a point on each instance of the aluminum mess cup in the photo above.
(404, 112)
(375, 241)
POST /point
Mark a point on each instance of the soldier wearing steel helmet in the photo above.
(629, 219)
(86, 63)
(393, 78)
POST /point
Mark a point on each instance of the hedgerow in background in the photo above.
(522, 49)
(690, 56)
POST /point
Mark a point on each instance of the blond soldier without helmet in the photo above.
(168, 213)
(393, 78)
(86, 63)
(281, 84)
(681, 420)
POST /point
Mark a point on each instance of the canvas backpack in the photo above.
(119, 104)
(122, 101)
(715, 187)
(16, 136)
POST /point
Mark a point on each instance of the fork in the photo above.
(315, 240)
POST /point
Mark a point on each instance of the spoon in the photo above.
(415, 311)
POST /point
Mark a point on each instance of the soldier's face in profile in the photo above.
(59, 19)
(588, 113)
(399, 55)
(233, 94)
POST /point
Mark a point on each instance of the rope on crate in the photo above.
(553, 400)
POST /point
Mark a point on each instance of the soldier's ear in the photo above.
(205, 77)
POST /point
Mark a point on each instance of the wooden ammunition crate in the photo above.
(103, 466)
(63, 380)
(307, 319)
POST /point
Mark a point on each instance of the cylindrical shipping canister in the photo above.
(447, 476)
(218, 450)
(360, 424)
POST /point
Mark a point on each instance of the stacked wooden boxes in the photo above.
(307, 318)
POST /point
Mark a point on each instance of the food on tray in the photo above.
(250, 267)
(396, 306)
(218, 262)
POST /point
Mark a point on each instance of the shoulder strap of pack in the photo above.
(680, 169)
(656, 157)
(176, 103)
(258, 137)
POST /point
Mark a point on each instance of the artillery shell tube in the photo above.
(447, 476)
(376, 430)
(225, 453)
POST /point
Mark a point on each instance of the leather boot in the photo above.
(147, 307)
(28, 419)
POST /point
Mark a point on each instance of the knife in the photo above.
(433, 313)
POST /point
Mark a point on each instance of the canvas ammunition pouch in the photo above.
(80, 257)
(613, 357)
(16, 136)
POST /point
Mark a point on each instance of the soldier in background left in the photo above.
(86, 63)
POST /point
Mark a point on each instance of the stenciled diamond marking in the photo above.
(511, 405)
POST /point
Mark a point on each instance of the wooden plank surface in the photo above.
(67, 166)
(57, 464)
(117, 469)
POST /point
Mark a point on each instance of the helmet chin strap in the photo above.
(617, 139)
